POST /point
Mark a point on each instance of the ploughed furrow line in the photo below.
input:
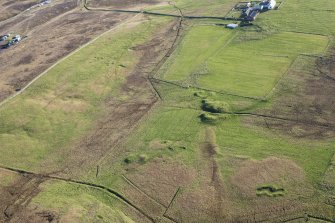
(93, 185)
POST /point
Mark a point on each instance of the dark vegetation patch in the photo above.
(270, 191)
(167, 145)
(25, 59)
(212, 118)
(142, 158)
(328, 183)
(215, 106)
(214, 111)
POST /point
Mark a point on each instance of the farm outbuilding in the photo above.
(269, 4)
(253, 15)
(246, 12)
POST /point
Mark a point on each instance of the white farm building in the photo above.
(269, 4)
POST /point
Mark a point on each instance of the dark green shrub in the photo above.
(215, 106)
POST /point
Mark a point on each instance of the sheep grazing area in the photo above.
(153, 111)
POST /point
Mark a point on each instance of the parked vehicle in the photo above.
(16, 39)
(4, 37)
(13, 41)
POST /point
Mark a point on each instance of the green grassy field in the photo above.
(246, 65)
(315, 17)
(217, 8)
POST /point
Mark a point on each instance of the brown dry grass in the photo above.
(15, 199)
(305, 98)
(272, 170)
(161, 178)
(206, 199)
(11, 8)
